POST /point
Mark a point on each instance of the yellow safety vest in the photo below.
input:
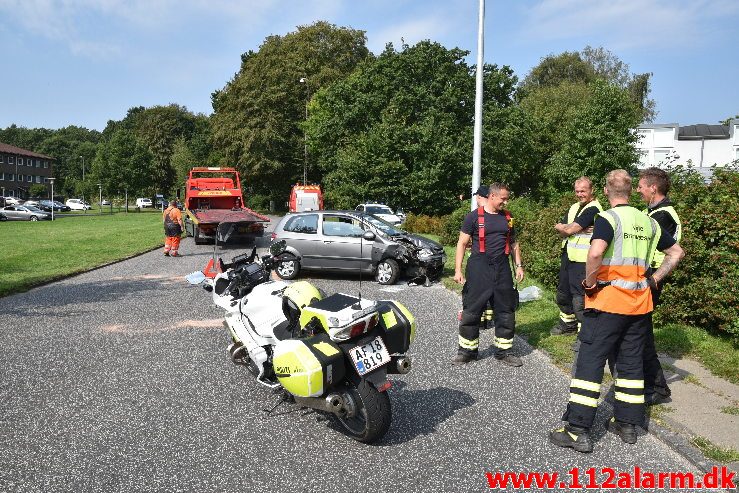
(579, 243)
(659, 256)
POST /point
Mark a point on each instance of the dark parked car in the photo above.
(333, 240)
(47, 205)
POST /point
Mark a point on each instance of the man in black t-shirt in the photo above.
(488, 277)
(575, 230)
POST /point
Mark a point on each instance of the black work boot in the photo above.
(507, 358)
(626, 431)
(573, 437)
(563, 327)
(463, 358)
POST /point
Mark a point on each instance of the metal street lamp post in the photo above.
(100, 201)
(477, 141)
(83, 184)
(304, 80)
(51, 180)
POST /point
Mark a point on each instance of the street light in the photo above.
(477, 138)
(304, 80)
(51, 180)
(83, 182)
(100, 202)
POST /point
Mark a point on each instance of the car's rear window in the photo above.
(378, 209)
(307, 223)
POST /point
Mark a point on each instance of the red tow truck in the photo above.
(213, 196)
(306, 198)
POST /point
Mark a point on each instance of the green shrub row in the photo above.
(704, 289)
(420, 223)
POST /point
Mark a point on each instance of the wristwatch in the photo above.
(519, 265)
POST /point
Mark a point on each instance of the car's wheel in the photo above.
(288, 268)
(387, 271)
(34, 218)
(196, 235)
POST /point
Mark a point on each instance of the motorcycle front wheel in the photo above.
(372, 416)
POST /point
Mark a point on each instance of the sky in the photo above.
(84, 62)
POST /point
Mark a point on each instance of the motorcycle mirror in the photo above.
(368, 236)
(277, 248)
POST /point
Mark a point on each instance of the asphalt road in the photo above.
(118, 380)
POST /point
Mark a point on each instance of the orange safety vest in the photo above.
(622, 276)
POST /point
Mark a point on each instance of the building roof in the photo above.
(702, 131)
(9, 149)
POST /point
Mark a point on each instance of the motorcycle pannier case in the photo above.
(308, 367)
(397, 324)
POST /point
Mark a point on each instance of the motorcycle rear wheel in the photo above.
(372, 418)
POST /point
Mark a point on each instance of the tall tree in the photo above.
(399, 129)
(124, 163)
(256, 124)
(600, 137)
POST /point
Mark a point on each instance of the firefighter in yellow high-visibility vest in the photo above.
(618, 307)
(576, 230)
(654, 185)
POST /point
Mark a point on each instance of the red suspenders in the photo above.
(481, 230)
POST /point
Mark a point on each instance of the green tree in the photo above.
(38, 191)
(399, 129)
(123, 162)
(256, 124)
(183, 159)
(598, 138)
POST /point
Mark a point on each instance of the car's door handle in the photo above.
(328, 241)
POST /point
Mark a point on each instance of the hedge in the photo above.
(704, 289)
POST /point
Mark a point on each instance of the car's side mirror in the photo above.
(368, 236)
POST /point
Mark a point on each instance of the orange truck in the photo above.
(213, 196)
(306, 198)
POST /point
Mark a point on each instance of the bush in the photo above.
(450, 228)
(424, 224)
(704, 289)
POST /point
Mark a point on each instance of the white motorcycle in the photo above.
(329, 353)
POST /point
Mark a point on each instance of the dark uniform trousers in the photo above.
(489, 279)
(570, 295)
(600, 335)
(654, 375)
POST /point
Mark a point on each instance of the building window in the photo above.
(660, 156)
(11, 177)
(29, 178)
(46, 164)
(2, 158)
(2, 176)
(11, 159)
(20, 177)
(20, 161)
(38, 179)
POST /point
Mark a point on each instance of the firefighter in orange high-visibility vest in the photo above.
(173, 227)
(488, 277)
(618, 315)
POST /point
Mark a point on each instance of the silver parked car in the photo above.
(24, 213)
(338, 241)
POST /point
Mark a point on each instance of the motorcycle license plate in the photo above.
(370, 356)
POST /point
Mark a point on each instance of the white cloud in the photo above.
(626, 23)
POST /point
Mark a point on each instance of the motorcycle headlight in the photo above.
(425, 254)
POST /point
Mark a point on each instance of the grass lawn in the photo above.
(37, 252)
(534, 319)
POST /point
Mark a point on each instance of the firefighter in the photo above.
(173, 227)
(576, 230)
(489, 277)
(618, 306)
(654, 185)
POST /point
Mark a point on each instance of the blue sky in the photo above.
(83, 62)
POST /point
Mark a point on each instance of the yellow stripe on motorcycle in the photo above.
(297, 368)
(390, 319)
(409, 316)
(326, 348)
